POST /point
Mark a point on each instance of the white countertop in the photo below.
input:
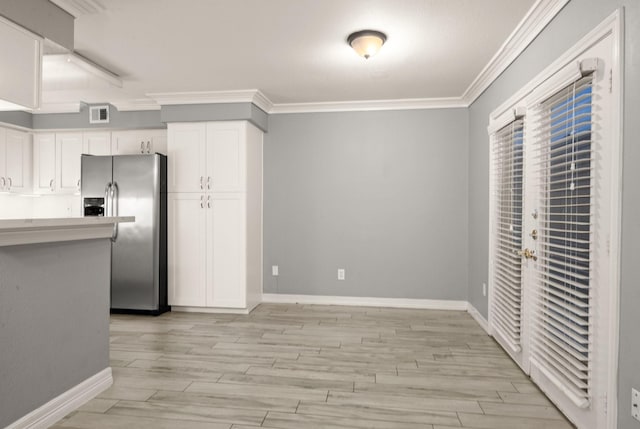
(47, 230)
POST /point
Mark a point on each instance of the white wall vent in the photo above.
(99, 114)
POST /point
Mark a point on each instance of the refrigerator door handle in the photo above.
(107, 195)
(114, 209)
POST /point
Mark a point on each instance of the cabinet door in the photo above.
(186, 249)
(226, 251)
(44, 163)
(4, 185)
(186, 156)
(226, 156)
(158, 142)
(18, 161)
(68, 151)
(96, 143)
(128, 143)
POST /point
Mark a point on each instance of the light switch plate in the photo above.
(274, 270)
(341, 273)
(635, 404)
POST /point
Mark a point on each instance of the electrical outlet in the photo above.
(341, 273)
(635, 404)
(274, 270)
(484, 289)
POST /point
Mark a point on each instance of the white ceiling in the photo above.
(294, 51)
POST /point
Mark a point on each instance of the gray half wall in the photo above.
(574, 21)
(54, 321)
(381, 194)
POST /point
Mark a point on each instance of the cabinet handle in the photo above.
(209, 201)
(148, 147)
(201, 201)
(4, 182)
(208, 182)
(201, 182)
(141, 147)
(78, 185)
(10, 183)
(51, 185)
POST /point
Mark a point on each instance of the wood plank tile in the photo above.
(308, 421)
(181, 411)
(481, 421)
(389, 415)
(402, 402)
(84, 420)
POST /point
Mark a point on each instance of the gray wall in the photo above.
(19, 118)
(54, 321)
(381, 194)
(117, 120)
(576, 19)
(215, 112)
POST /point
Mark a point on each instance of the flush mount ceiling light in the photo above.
(366, 43)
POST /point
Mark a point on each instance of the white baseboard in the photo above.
(478, 318)
(61, 405)
(427, 304)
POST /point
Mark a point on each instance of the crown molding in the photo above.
(135, 104)
(214, 97)
(536, 19)
(80, 7)
(370, 105)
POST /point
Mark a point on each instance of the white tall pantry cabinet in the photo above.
(215, 216)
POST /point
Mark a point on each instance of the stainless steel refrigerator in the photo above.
(132, 185)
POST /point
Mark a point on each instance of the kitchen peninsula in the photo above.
(54, 316)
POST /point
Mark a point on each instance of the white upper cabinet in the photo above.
(15, 161)
(21, 65)
(56, 163)
(68, 151)
(139, 142)
(44, 163)
(210, 157)
(96, 143)
(186, 156)
(226, 156)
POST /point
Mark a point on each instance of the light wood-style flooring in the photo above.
(300, 366)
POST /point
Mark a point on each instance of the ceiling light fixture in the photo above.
(366, 43)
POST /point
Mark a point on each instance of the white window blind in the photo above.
(561, 146)
(506, 298)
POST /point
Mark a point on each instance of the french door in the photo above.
(551, 231)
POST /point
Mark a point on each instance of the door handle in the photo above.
(527, 254)
(114, 209)
(107, 195)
